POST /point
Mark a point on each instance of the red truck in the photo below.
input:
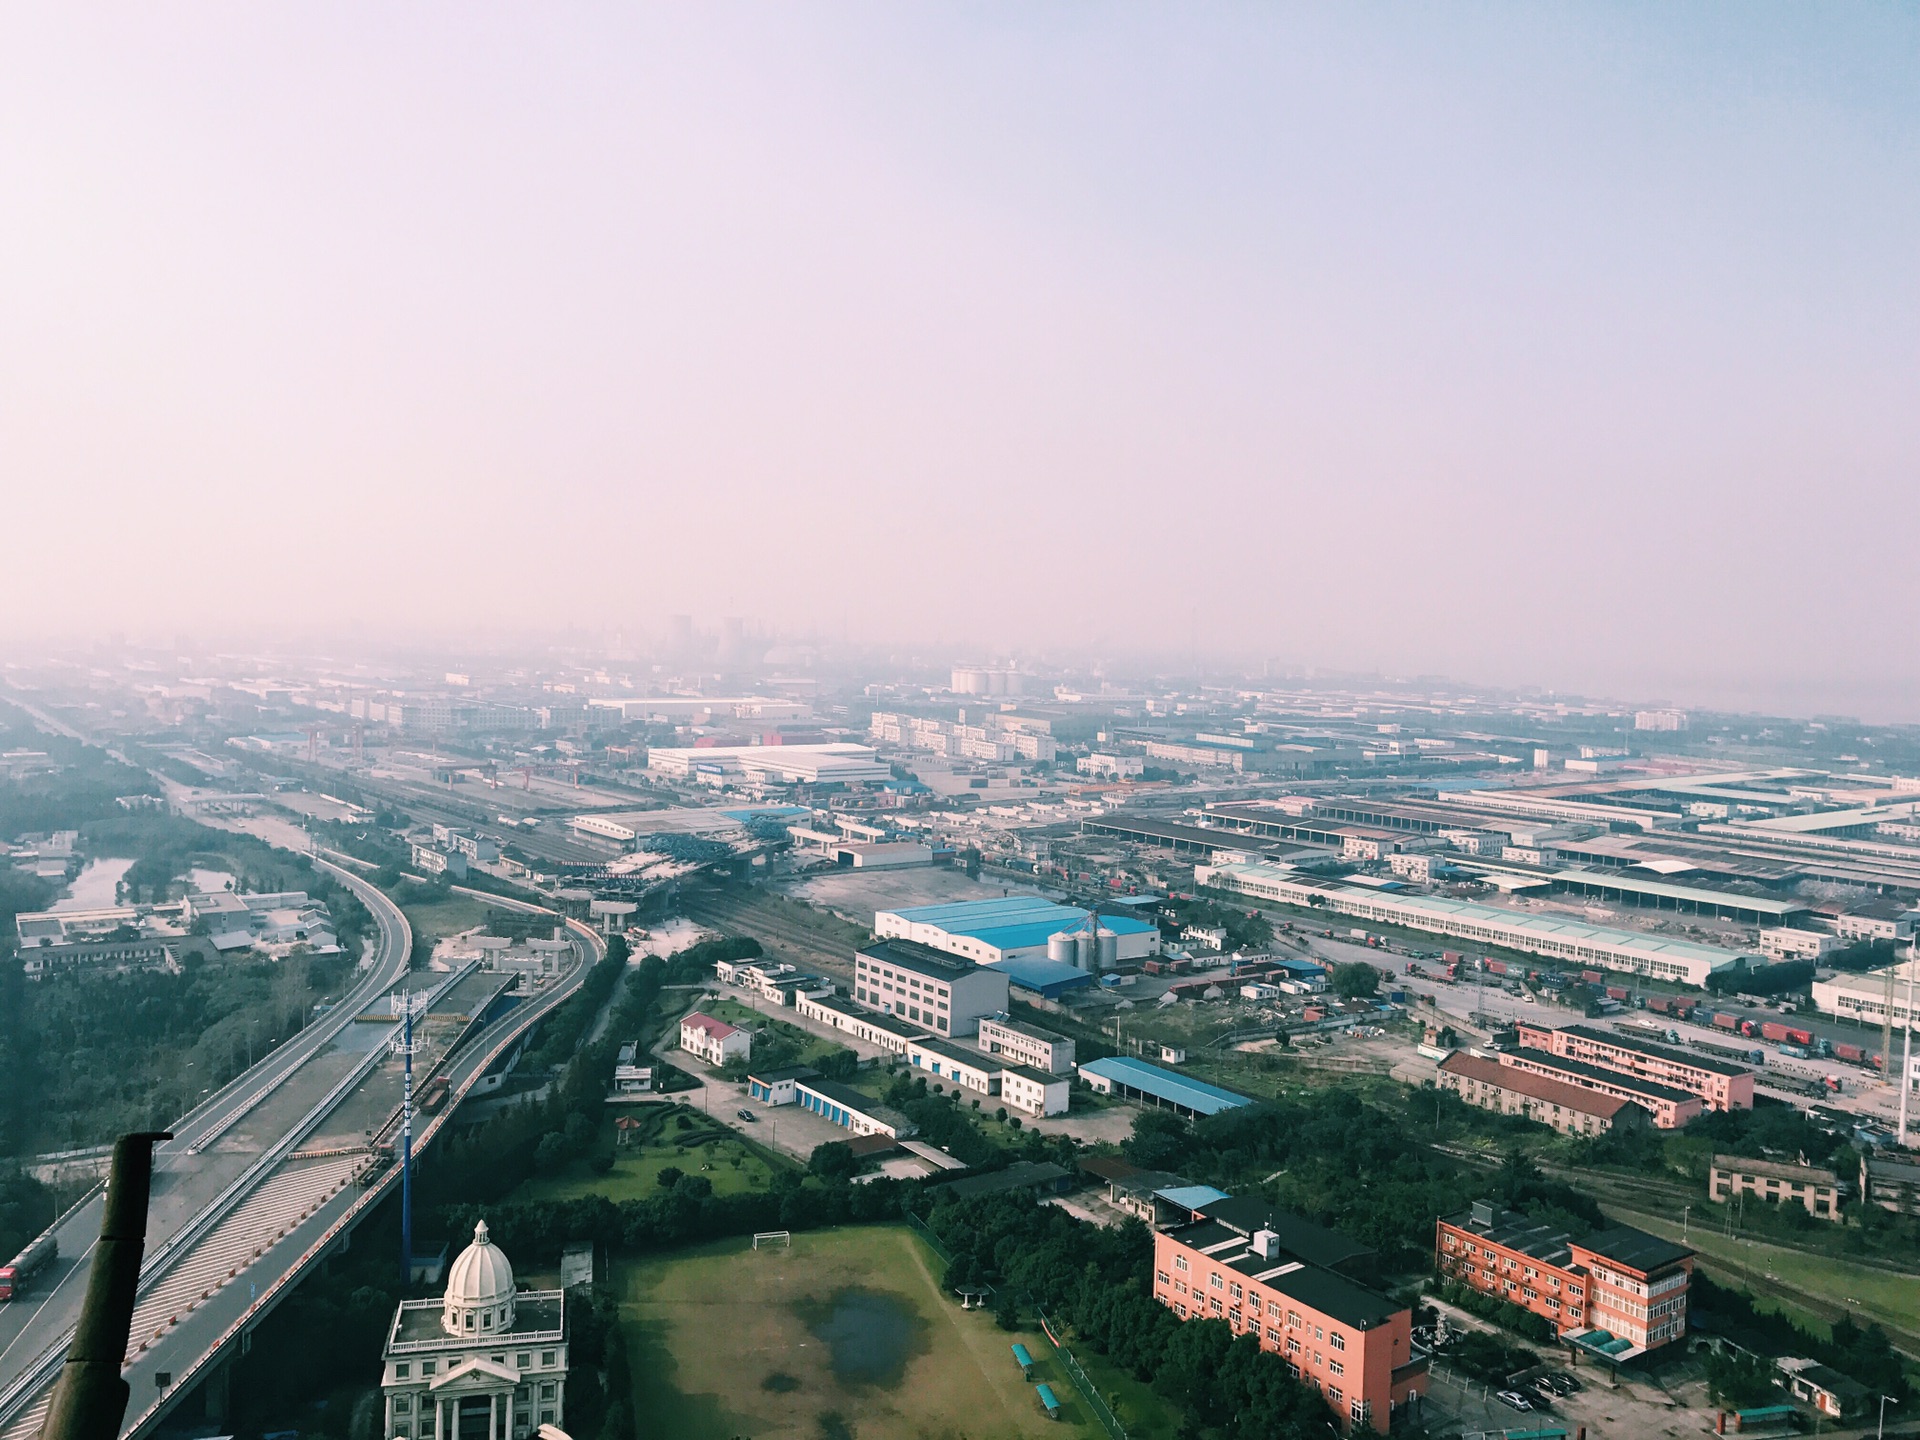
(1856, 1055)
(15, 1274)
(1773, 1030)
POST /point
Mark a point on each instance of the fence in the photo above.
(1102, 1412)
(1085, 1386)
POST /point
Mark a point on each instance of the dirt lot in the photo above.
(856, 894)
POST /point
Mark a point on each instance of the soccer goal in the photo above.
(774, 1239)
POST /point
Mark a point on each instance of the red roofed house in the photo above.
(1567, 1108)
(714, 1041)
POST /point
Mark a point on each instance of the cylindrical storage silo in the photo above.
(1086, 953)
(1109, 951)
(1061, 948)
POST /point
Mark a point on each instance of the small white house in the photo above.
(714, 1041)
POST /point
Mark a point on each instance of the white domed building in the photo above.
(483, 1362)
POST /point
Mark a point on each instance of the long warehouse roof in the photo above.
(1688, 894)
(1195, 1095)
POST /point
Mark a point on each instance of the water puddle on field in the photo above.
(870, 1334)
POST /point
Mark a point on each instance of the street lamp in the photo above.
(1881, 1433)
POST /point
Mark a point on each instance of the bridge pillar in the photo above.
(217, 1390)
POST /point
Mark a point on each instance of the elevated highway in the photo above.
(213, 1277)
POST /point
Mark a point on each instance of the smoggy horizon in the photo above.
(1565, 349)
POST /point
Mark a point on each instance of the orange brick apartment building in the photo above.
(1719, 1084)
(1618, 1293)
(1290, 1283)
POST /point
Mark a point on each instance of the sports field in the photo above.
(845, 1336)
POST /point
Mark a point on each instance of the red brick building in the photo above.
(1290, 1283)
(1618, 1292)
(1570, 1109)
(1670, 1107)
(1719, 1084)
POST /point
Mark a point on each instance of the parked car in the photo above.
(747, 1115)
(1564, 1383)
(1515, 1399)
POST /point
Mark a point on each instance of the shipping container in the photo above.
(1726, 1022)
(1853, 1054)
(1592, 977)
(1493, 967)
(1616, 992)
(1797, 1052)
(1452, 957)
(1773, 1030)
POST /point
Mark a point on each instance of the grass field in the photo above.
(1869, 1293)
(705, 1148)
(846, 1336)
(437, 919)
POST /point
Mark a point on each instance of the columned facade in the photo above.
(487, 1361)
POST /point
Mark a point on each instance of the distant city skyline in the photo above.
(1562, 348)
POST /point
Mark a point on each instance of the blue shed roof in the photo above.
(1048, 977)
(1194, 1095)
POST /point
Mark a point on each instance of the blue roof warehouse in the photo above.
(1015, 927)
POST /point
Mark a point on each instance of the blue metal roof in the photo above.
(1021, 1355)
(1191, 1197)
(1194, 1095)
(1014, 922)
(1047, 1397)
(1049, 977)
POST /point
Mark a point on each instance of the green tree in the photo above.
(1354, 980)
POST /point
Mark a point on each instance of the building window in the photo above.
(546, 1391)
(1216, 1282)
(1179, 1262)
(1337, 1340)
(1293, 1346)
(402, 1370)
(402, 1404)
(1160, 1277)
(1236, 1292)
(1334, 1367)
(427, 1366)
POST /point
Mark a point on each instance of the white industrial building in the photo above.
(1018, 927)
(834, 764)
(1863, 997)
(1557, 937)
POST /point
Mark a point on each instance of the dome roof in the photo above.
(479, 1284)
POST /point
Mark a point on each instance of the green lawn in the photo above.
(704, 1148)
(725, 1342)
(812, 1047)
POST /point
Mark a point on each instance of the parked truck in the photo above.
(1726, 1022)
(1493, 967)
(1616, 992)
(19, 1271)
(1773, 1030)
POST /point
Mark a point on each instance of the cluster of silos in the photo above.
(1086, 948)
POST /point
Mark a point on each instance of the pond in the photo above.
(96, 887)
(208, 882)
(870, 1334)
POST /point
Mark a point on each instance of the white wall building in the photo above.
(714, 1041)
(484, 1360)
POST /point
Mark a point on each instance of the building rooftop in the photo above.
(1633, 1084)
(1319, 1289)
(1165, 1085)
(848, 1098)
(1514, 1231)
(1299, 1236)
(1634, 1249)
(537, 1314)
(1775, 1170)
(785, 1072)
(1536, 1087)
(1658, 1052)
(1629, 883)
(718, 1029)
(920, 959)
(1021, 1175)
(1020, 1027)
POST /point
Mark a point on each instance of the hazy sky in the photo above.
(1568, 344)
